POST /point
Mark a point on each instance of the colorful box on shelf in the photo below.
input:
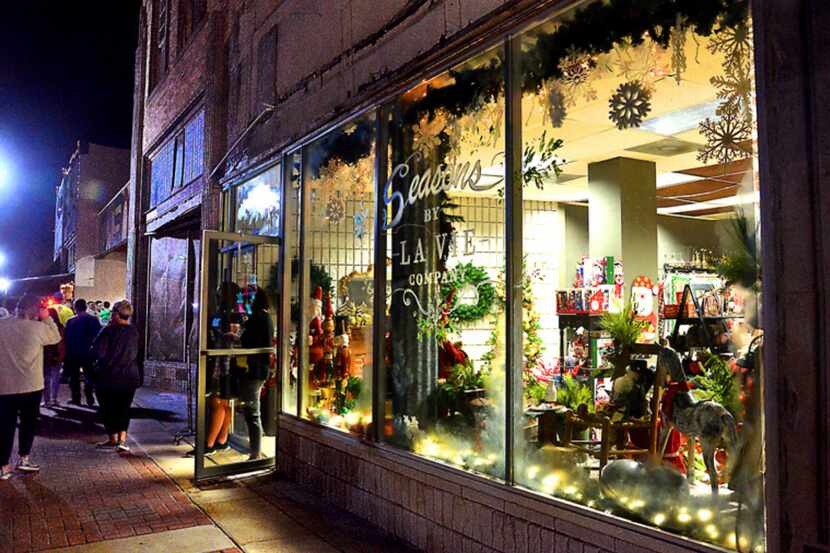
(594, 300)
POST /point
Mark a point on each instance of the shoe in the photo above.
(90, 401)
(208, 451)
(6, 475)
(257, 456)
(122, 448)
(221, 447)
(25, 465)
(75, 402)
(108, 445)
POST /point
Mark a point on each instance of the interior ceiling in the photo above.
(677, 108)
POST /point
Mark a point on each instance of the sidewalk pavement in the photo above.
(90, 501)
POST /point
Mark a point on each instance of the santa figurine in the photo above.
(315, 327)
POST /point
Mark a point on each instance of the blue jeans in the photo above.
(51, 383)
(249, 391)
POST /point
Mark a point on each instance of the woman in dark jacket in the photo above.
(259, 333)
(117, 374)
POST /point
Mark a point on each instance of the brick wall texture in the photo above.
(439, 509)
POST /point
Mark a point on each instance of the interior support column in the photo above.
(622, 214)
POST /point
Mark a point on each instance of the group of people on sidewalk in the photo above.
(37, 351)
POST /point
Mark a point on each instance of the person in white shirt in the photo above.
(22, 340)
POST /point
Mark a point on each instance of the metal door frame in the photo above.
(201, 471)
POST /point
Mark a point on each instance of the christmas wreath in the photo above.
(468, 274)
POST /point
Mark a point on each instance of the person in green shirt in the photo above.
(105, 314)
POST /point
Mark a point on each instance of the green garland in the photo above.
(468, 274)
(594, 29)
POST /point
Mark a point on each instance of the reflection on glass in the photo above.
(258, 204)
(337, 273)
(641, 346)
(445, 226)
(240, 390)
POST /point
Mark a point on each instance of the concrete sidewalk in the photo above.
(260, 513)
(89, 501)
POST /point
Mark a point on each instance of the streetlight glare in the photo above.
(5, 284)
(5, 173)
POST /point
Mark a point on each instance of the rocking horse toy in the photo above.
(708, 421)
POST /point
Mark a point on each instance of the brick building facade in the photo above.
(226, 88)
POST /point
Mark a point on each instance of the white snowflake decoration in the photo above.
(335, 209)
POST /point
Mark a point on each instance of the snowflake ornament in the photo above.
(677, 43)
(735, 43)
(577, 70)
(725, 137)
(359, 226)
(425, 135)
(629, 105)
(335, 209)
(735, 92)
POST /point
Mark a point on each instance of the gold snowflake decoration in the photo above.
(577, 70)
(629, 105)
(725, 138)
(425, 135)
(735, 43)
(645, 63)
(677, 43)
(735, 93)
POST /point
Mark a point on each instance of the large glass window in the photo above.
(445, 345)
(338, 177)
(638, 383)
(640, 328)
(257, 204)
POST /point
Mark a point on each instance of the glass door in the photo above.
(237, 388)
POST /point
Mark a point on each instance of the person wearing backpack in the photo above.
(116, 375)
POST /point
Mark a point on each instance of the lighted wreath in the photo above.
(466, 275)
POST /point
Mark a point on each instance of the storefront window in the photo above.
(445, 339)
(257, 204)
(338, 176)
(640, 315)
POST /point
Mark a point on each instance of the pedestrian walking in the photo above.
(52, 362)
(80, 331)
(116, 374)
(22, 340)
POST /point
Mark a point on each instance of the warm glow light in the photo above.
(684, 518)
(711, 530)
(352, 418)
(704, 515)
(551, 482)
(532, 472)
(659, 519)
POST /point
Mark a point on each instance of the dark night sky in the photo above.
(66, 73)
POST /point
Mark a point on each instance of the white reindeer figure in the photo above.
(703, 420)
